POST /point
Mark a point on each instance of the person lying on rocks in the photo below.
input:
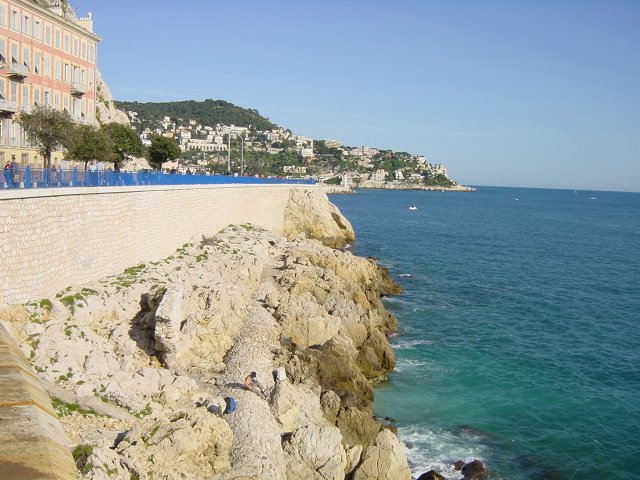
(252, 384)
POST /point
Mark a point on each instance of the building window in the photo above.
(3, 15)
(47, 34)
(83, 50)
(92, 53)
(36, 97)
(67, 44)
(56, 69)
(16, 21)
(45, 98)
(56, 101)
(56, 39)
(75, 47)
(26, 25)
(26, 58)
(14, 91)
(2, 89)
(37, 30)
(3, 51)
(47, 66)
(15, 58)
(37, 63)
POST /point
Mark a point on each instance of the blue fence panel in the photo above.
(39, 178)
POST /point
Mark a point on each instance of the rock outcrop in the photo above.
(106, 111)
(310, 213)
(162, 343)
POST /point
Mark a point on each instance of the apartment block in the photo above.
(48, 58)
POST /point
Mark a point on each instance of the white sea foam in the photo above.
(405, 364)
(437, 449)
(410, 343)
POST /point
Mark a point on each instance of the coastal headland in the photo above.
(138, 363)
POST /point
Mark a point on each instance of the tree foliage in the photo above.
(125, 141)
(47, 130)
(88, 143)
(208, 112)
(162, 150)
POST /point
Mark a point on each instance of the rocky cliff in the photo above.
(139, 364)
(106, 111)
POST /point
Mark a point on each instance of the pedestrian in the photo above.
(7, 174)
(252, 384)
(13, 169)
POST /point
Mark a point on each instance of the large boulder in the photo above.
(191, 444)
(310, 213)
(315, 452)
(384, 461)
(306, 322)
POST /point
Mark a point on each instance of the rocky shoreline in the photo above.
(133, 361)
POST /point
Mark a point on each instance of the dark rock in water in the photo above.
(458, 465)
(431, 475)
(474, 469)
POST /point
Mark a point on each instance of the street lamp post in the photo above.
(242, 156)
(229, 153)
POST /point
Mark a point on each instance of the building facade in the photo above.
(48, 58)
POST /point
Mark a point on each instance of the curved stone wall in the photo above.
(52, 238)
(32, 439)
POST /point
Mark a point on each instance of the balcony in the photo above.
(8, 106)
(18, 71)
(78, 88)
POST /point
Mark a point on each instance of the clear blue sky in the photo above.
(523, 93)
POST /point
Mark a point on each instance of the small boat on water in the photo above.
(413, 207)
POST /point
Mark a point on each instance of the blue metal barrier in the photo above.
(28, 177)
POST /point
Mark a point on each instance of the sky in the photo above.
(539, 93)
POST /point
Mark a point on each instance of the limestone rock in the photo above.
(106, 111)
(195, 443)
(431, 475)
(168, 323)
(384, 460)
(306, 322)
(316, 449)
(294, 405)
(357, 427)
(309, 212)
(353, 453)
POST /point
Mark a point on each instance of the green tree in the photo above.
(88, 143)
(162, 149)
(47, 130)
(125, 141)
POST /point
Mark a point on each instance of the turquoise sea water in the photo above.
(519, 338)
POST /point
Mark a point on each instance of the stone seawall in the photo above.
(33, 441)
(58, 237)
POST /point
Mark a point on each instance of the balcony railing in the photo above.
(17, 70)
(78, 88)
(8, 106)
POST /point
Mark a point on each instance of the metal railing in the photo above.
(28, 177)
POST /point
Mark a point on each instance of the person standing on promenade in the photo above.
(7, 174)
(13, 171)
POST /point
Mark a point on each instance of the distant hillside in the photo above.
(209, 112)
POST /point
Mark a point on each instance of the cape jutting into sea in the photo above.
(519, 327)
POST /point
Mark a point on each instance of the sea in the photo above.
(519, 337)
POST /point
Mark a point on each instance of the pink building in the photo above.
(47, 58)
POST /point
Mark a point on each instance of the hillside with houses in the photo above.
(215, 136)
